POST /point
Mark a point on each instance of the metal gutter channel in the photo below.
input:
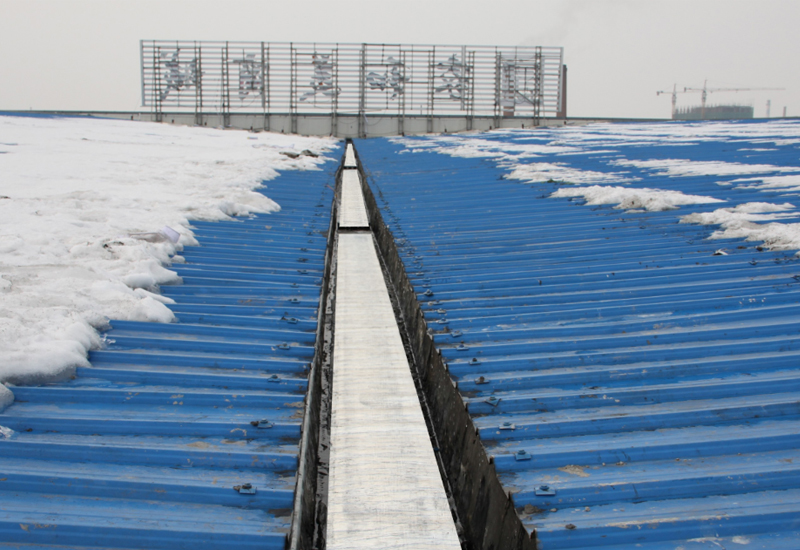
(187, 435)
(486, 515)
(631, 388)
(385, 489)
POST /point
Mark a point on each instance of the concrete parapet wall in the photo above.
(344, 126)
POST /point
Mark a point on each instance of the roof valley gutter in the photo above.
(485, 514)
(308, 514)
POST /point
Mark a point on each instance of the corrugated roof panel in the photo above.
(635, 382)
(154, 445)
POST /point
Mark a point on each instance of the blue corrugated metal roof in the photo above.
(144, 448)
(634, 389)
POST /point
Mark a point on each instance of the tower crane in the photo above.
(674, 93)
(705, 90)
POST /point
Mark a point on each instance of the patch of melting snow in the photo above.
(82, 203)
(626, 198)
(6, 397)
(740, 222)
(472, 147)
(789, 183)
(685, 168)
(542, 172)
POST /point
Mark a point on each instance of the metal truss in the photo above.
(301, 79)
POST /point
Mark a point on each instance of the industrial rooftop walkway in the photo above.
(385, 487)
(183, 435)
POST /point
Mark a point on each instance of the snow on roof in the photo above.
(89, 209)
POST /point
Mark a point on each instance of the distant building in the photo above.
(714, 112)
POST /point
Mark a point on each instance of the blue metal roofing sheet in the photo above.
(144, 448)
(634, 389)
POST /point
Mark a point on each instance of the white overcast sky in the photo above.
(84, 55)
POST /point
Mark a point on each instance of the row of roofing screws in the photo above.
(582, 408)
(407, 251)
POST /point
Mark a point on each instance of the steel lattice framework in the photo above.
(351, 79)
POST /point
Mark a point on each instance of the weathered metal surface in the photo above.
(183, 435)
(611, 356)
(385, 489)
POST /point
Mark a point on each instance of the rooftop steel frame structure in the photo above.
(351, 88)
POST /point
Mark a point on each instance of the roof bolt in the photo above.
(522, 455)
(262, 424)
(245, 489)
(544, 491)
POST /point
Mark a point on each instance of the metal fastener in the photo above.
(245, 489)
(544, 491)
(262, 424)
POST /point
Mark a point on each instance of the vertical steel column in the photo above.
(362, 84)
(198, 86)
(292, 88)
(157, 83)
(561, 111)
(141, 65)
(431, 72)
(263, 88)
(401, 98)
(226, 84)
(498, 84)
(537, 90)
(335, 98)
(471, 105)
